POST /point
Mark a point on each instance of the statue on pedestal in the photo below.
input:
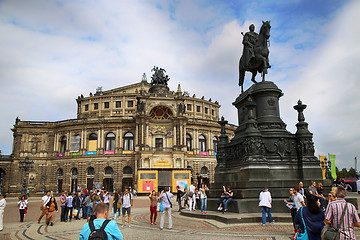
(255, 53)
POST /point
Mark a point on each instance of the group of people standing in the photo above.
(161, 203)
(309, 211)
(84, 201)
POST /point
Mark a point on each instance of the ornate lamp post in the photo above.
(26, 165)
(328, 168)
(115, 176)
(43, 178)
(1, 181)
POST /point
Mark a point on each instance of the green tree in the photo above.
(351, 172)
(343, 173)
(337, 171)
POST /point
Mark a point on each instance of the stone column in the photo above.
(98, 140)
(121, 142)
(175, 135)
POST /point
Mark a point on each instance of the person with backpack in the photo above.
(126, 203)
(101, 228)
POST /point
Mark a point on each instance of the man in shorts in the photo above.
(126, 203)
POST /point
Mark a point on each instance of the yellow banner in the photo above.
(323, 165)
(92, 145)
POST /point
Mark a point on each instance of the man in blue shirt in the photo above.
(111, 229)
(167, 205)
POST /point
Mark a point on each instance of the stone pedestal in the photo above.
(159, 89)
(263, 153)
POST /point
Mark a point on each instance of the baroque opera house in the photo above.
(142, 136)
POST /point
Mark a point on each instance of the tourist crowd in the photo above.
(314, 216)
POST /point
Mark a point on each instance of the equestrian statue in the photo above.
(255, 57)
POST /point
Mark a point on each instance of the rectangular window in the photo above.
(188, 107)
(92, 145)
(158, 143)
(181, 176)
(198, 108)
(87, 107)
(130, 104)
(147, 175)
(106, 104)
(118, 104)
(96, 106)
(206, 110)
(213, 112)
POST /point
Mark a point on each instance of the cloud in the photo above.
(54, 51)
(329, 85)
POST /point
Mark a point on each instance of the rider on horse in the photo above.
(249, 41)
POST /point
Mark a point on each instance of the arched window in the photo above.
(110, 142)
(109, 170)
(92, 142)
(59, 173)
(202, 143)
(160, 113)
(129, 141)
(91, 171)
(74, 172)
(63, 144)
(188, 142)
(204, 171)
(127, 170)
(215, 142)
(75, 143)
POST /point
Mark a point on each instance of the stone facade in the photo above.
(116, 132)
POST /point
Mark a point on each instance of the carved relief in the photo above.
(306, 147)
(280, 146)
(34, 145)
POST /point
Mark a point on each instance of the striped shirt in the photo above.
(333, 214)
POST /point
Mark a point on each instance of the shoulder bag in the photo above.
(168, 200)
(302, 235)
(330, 233)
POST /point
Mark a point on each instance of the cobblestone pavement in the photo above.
(183, 227)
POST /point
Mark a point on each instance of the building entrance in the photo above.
(126, 183)
(108, 184)
(164, 180)
(90, 183)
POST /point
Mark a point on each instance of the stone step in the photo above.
(232, 218)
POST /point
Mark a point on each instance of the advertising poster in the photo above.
(182, 184)
(148, 186)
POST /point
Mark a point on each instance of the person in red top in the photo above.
(334, 212)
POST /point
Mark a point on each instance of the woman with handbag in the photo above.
(115, 204)
(51, 207)
(203, 197)
(153, 207)
(310, 219)
(22, 206)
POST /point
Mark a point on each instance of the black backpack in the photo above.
(98, 234)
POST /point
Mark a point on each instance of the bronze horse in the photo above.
(261, 61)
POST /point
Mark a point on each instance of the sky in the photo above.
(53, 51)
